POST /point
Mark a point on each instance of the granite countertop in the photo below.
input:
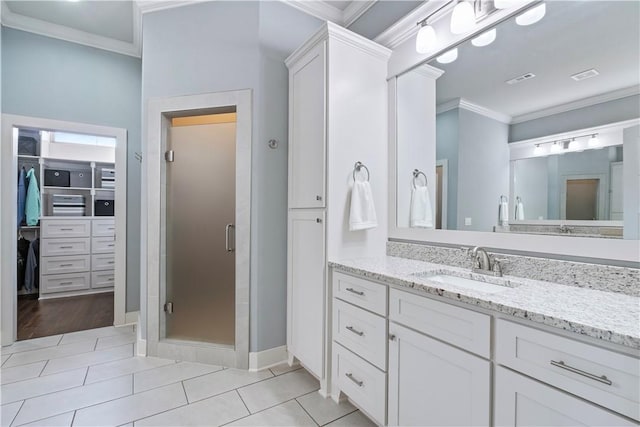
(608, 316)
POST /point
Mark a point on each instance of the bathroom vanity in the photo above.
(416, 343)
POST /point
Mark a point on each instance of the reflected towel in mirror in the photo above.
(503, 213)
(363, 212)
(520, 211)
(421, 212)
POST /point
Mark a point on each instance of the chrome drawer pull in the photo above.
(111, 245)
(353, 291)
(66, 229)
(350, 376)
(66, 283)
(352, 329)
(111, 262)
(66, 247)
(66, 265)
(603, 379)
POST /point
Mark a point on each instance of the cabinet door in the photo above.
(435, 384)
(307, 130)
(521, 401)
(306, 288)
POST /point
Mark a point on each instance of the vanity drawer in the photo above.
(103, 227)
(65, 264)
(363, 293)
(65, 282)
(66, 228)
(574, 366)
(54, 247)
(457, 326)
(103, 245)
(362, 332)
(364, 384)
(102, 279)
(103, 262)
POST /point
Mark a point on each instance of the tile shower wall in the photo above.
(606, 278)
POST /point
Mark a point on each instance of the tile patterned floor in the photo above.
(92, 378)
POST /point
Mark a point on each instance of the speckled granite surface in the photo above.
(591, 276)
(609, 316)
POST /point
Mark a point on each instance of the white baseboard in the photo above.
(260, 360)
(131, 317)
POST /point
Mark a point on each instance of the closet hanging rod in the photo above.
(416, 175)
(358, 167)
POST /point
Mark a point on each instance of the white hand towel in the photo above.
(421, 213)
(520, 212)
(503, 213)
(363, 212)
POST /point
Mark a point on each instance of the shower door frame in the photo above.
(159, 114)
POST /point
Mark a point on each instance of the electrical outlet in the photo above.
(467, 221)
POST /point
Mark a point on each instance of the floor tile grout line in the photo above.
(345, 415)
(305, 410)
(16, 415)
(86, 366)
(86, 374)
(51, 358)
(40, 395)
(74, 417)
(40, 419)
(60, 344)
(186, 398)
(96, 344)
(243, 402)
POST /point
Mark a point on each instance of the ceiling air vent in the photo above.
(520, 78)
(582, 75)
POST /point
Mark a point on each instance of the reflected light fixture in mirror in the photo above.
(532, 16)
(539, 150)
(506, 4)
(463, 18)
(448, 57)
(594, 141)
(574, 145)
(485, 39)
(426, 38)
(555, 148)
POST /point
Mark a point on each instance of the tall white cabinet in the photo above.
(337, 117)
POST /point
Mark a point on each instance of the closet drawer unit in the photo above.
(596, 374)
(103, 262)
(362, 332)
(363, 293)
(103, 245)
(103, 228)
(55, 247)
(65, 282)
(65, 264)
(365, 385)
(102, 279)
(60, 228)
(457, 326)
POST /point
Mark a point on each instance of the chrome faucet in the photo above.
(483, 264)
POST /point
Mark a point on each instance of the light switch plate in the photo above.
(467, 221)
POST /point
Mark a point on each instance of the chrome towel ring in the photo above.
(416, 175)
(358, 167)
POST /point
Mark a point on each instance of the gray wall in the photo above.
(631, 179)
(531, 185)
(483, 169)
(447, 148)
(221, 46)
(594, 115)
(54, 79)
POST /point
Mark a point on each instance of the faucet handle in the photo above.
(497, 264)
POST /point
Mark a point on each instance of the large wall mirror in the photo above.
(535, 132)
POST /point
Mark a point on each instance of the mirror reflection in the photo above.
(515, 145)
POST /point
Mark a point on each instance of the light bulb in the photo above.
(448, 56)
(463, 18)
(556, 148)
(532, 16)
(506, 4)
(426, 39)
(594, 141)
(484, 39)
(538, 151)
(574, 145)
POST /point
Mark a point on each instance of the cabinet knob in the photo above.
(318, 198)
(392, 337)
(318, 220)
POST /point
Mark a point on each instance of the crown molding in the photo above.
(319, 9)
(355, 10)
(478, 109)
(581, 103)
(146, 6)
(428, 71)
(407, 26)
(48, 29)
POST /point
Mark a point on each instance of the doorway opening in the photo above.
(582, 199)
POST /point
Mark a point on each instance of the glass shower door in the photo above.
(201, 205)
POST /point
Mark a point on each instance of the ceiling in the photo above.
(574, 36)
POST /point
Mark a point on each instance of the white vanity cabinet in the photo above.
(337, 116)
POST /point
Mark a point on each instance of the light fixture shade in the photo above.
(574, 145)
(532, 16)
(463, 18)
(426, 39)
(539, 150)
(485, 38)
(506, 4)
(448, 57)
(555, 148)
(594, 141)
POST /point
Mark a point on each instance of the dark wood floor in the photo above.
(61, 315)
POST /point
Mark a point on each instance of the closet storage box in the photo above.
(68, 205)
(80, 178)
(57, 178)
(108, 178)
(104, 207)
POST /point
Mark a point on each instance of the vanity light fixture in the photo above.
(539, 150)
(448, 57)
(555, 148)
(532, 15)
(463, 18)
(426, 39)
(573, 144)
(594, 141)
(485, 38)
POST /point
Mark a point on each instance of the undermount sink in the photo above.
(464, 282)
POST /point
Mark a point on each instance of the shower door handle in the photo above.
(228, 237)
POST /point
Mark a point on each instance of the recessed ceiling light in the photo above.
(532, 16)
(582, 75)
(448, 56)
(521, 78)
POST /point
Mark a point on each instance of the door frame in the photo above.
(603, 187)
(153, 280)
(8, 214)
(445, 188)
